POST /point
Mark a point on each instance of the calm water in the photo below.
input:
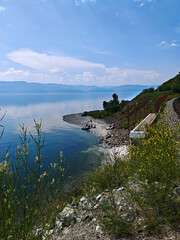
(80, 148)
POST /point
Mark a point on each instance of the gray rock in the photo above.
(98, 228)
(78, 219)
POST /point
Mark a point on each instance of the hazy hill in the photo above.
(24, 87)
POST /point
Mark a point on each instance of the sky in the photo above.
(90, 42)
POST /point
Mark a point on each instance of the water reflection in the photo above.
(50, 113)
(59, 135)
(49, 108)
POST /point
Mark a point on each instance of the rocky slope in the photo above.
(82, 219)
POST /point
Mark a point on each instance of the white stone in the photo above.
(78, 220)
(67, 211)
(98, 197)
(59, 224)
(98, 228)
(83, 199)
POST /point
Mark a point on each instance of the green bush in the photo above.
(107, 177)
(176, 88)
(164, 88)
(148, 90)
(155, 163)
(157, 158)
(113, 105)
(26, 190)
(112, 220)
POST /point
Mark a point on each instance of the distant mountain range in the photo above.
(24, 87)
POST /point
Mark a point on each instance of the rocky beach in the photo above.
(114, 139)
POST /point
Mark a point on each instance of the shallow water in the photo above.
(80, 148)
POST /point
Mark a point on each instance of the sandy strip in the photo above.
(101, 125)
(81, 121)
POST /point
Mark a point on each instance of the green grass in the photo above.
(172, 85)
(170, 88)
(97, 114)
(143, 96)
(154, 166)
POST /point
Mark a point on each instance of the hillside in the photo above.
(28, 88)
(132, 198)
(171, 88)
(171, 85)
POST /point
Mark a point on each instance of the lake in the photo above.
(80, 148)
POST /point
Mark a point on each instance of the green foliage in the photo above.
(95, 114)
(172, 85)
(150, 176)
(148, 90)
(113, 105)
(176, 88)
(26, 190)
(112, 220)
(107, 177)
(156, 164)
(164, 88)
(157, 158)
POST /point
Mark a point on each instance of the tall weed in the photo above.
(26, 189)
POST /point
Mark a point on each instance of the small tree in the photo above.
(113, 105)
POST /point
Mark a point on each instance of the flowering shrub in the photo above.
(157, 159)
(155, 165)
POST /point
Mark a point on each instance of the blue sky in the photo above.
(90, 42)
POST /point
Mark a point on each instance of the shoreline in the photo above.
(78, 120)
(114, 141)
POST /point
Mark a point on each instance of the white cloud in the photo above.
(77, 2)
(68, 70)
(109, 77)
(165, 44)
(12, 74)
(116, 76)
(44, 62)
(2, 8)
(141, 5)
(57, 70)
(162, 43)
(95, 50)
(142, 2)
(132, 76)
(174, 45)
(88, 0)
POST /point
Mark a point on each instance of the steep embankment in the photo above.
(128, 200)
(132, 199)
